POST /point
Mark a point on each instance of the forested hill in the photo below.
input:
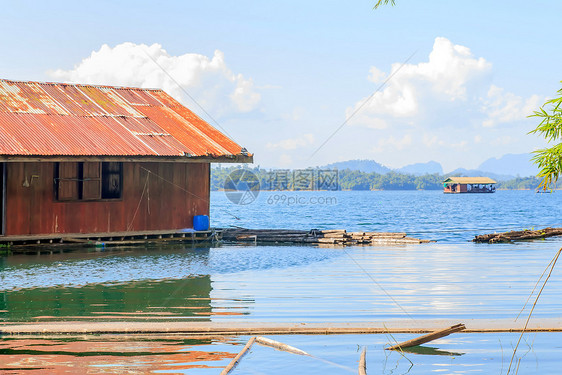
(308, 179)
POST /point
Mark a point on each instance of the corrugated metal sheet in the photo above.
(56, 119)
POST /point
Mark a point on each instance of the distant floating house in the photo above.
(469, 185)
(80, 159)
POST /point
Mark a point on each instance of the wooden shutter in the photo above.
(68, 182)
(91, 181)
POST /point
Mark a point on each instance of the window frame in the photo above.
(79, 180)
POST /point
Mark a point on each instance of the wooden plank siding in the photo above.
(165, 199)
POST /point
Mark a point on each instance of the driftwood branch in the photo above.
(363, 362)
(280, 346)
(429, 337)
(236, 359)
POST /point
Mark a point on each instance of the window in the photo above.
(111, 180)
(83, 181)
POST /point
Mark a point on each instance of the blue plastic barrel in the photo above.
(201, 222)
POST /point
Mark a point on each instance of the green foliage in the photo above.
(519, 183)
(357, 180)
(385, 2)
(549, 159)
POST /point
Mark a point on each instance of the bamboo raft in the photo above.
(330, 237)
(518, 235)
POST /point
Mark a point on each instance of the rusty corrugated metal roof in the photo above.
(59, 119)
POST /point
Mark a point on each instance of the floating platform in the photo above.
(314, 236)
(29, 243)
(49, 242)
(262, 328)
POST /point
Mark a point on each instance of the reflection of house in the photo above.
(187, 298)
(469, 185)
(78, 159)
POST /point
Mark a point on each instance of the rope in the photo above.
(130, 226)
(185, 190)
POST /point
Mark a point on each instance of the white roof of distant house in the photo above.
(470, 180)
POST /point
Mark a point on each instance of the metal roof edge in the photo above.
(106, 86)
(141, 158)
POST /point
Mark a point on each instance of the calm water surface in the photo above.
(427, 214)
(333, 354)
(450, 279)
(282, 283)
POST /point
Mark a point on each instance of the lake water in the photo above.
(428, 214)
(450, 279)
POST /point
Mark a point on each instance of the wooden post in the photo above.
(429, 337)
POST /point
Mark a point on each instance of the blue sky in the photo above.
(281, 77)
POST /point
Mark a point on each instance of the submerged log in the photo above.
(429, 337)
(518, 235)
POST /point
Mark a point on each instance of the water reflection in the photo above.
(109, 356)
(188, 297)
(280, 283)
(159, 282)
(428, 350)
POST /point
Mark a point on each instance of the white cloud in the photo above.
(452, 88)
(207, 79)
(502, 106)
(448, 76)
(446, 107)
(376, 75)
(292, 143)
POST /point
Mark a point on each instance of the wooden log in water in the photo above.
(332, 236)
(246, 237)
(404, 240)
(263, 231)
(280, 346)
(326, 231)
(429, 337)
(239, 356)
(387, 234)
(363, 362)
(282, 239)
(340, 236)
(518, 235)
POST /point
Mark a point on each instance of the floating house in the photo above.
(84, 159)
(469, 185)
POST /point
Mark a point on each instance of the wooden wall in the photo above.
(167, 198)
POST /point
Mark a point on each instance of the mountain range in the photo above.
(503, 168)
